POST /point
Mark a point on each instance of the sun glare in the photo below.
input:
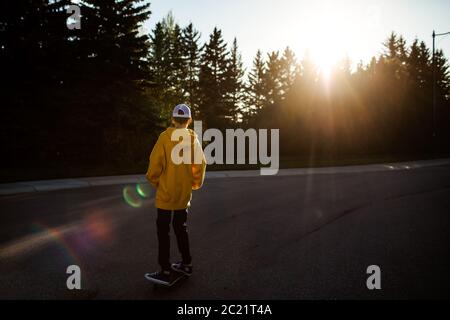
(326, 52)
(328, 40)
(325, 63)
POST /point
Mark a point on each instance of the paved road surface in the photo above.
(282, 237)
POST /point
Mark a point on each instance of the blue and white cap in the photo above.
(181, 111)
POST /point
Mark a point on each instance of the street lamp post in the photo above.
(434, 78)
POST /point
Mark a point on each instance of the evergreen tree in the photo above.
(213, 82)
(391, 46)
(424, 66)
(177, 72)
(115, 71)
(160, 67)
(396, 55)
(402, 51)
(442, 99)
(289, 71)
(159, 48)
(442, 74)
(255, 97)
(273, 80)
(112, 30)
(169, 63)
(166, 65)
(413, 64)
(235, 84)
(191, 54)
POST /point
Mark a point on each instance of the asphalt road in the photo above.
(288, 237)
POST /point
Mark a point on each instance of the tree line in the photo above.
(383, 107)
(100, 95)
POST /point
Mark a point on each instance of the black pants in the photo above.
(180, 228)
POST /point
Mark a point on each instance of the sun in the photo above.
(326, 52)
(325, 63)
(328, 41)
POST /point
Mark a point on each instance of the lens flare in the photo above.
(131, 197)
(143, 189)
(99, 229)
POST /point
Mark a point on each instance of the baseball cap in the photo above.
(181, 111)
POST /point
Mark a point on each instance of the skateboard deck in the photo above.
(177, 278)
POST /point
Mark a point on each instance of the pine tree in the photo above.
(235, 84)
(418, 66)
(442, 75)
(174, 61)
(177, 71)
(424, 65)
(413, 64)
(159, 50)
(391, 46)
(402, 51)
(117, 65)
(255, 97)
(289, 71)
(113, 30)
(396, 55)
(191, 54)
(273, 79)
(213, 81)
(166, 65)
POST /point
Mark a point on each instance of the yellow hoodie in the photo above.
(174, 182)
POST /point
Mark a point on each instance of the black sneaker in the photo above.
(182, 268)
(165, 278)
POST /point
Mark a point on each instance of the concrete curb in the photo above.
(61, 184)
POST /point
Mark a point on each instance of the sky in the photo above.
(329, 30)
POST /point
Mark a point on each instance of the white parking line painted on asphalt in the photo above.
(61, 184)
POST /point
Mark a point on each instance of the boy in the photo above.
(174, 182)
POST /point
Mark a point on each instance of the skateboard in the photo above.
(178, 277)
